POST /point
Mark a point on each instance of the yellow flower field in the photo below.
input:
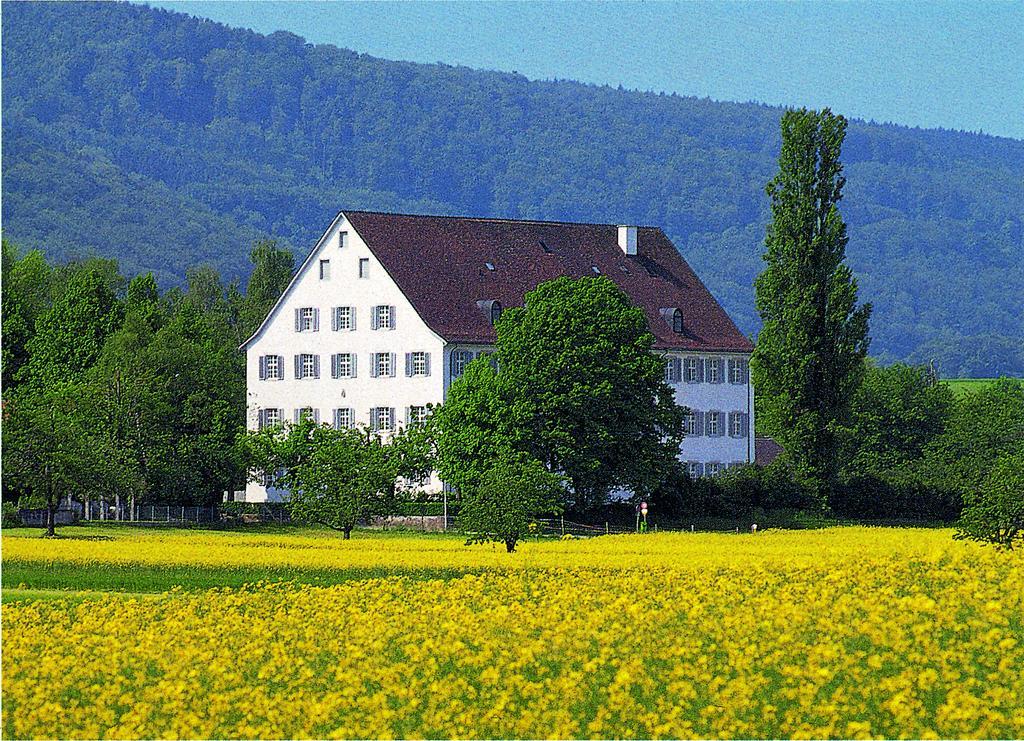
(849, 632)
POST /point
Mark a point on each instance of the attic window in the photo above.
(597, 270)
(674, 318)
(342, 239)
(489, 266)
(492, 309)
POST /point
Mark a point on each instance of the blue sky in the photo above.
(956, 65)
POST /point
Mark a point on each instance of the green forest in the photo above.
(167, 142)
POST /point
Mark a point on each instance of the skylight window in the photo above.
(489, 266)
(597, 270)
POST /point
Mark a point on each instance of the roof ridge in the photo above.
(497, 219)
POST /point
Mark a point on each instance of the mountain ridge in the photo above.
(166, 140)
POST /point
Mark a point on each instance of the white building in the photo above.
(387, 309)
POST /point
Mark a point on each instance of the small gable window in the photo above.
(674, 318)
(492, 309)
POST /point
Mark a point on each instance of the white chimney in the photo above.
(627, 239)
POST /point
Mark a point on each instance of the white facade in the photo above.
(341, 287)
(342, 272)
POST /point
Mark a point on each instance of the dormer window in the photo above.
(489, 265)
(492, 309)
(674, 318)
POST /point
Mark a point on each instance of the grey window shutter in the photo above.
(316, 366)
(374, 320)
(263, 367)
(700, 370)
(373, 364)
(261, 419)
(745, 423)
(677, 369)
(408, 364)
(354, 356)
(391, 417)
(337, 419)
(721, 424)
(316, 320)
(298, 414)
(298, 366)
(731, 365)
(746, 372)
(334, 318)
(280, 367)
(373, 418)
(316, 415)
(352, 318)
(391, 317)
(427, 364)
(408, 416)
(700, 423)
(298, 320)
(721, 370)
(392, 364)
(334, 365)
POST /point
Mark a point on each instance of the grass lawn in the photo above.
(964, 386)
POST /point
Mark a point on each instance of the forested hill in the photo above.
(167, 141)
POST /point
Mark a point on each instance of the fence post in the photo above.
(606, 527)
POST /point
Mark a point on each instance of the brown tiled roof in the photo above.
(440, 264)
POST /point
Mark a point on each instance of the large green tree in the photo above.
(271, 272)
(586, 392)
(578, 388)
(50, 443)
(811, 348)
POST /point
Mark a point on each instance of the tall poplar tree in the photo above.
(814, 338)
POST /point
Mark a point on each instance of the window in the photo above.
(421, 478)
(489, 265)
(342, 240)
(736, 424)
(383, 317)
(382, 419)
(271, 368)
(690, 424)
(325, 270)
(693, 370)
(307, 413)
(307, 319)
(495, 312)
(364, 267)
(269, 418)
(383, 364)
(415, 415)
(344, 419)
(673, 370)
(695, 469)
(460, 359)
(595, 269)
(712, 468)
(677, 321)
(344, 319)
(713, 423)
(307, 366)
(343, 365)
(417, 364)
(737, 371)
(714, 366)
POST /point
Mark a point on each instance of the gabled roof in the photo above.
(441, 264)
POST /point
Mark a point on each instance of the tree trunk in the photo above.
(117, 507)
(346, 533)
(510, 545)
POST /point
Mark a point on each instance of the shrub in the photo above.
(11, 518)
